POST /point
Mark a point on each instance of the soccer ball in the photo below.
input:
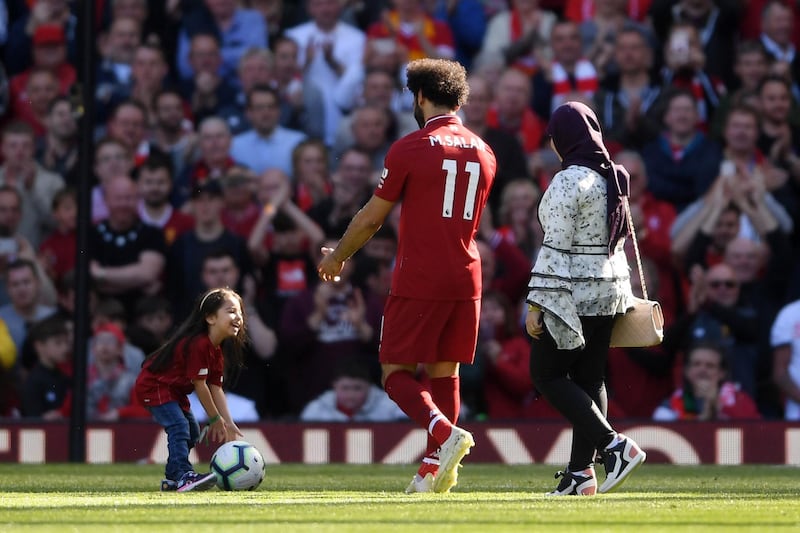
(238, 465)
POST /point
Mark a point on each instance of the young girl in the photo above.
(192, 360)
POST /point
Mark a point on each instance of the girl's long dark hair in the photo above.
(207, 304)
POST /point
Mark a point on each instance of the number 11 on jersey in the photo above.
(473, 168)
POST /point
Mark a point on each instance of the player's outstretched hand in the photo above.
(329, 268)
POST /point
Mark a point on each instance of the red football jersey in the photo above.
(202, 360)
(442, 173)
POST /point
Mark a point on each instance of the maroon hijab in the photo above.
(578, 139)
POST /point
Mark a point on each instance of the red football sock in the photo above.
(431, 448)
(416, 402)
(429, 465)
(446, 395)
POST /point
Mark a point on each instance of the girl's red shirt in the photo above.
(202, 360)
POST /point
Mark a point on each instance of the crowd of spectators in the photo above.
(234, 138)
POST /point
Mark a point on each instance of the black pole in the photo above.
(86, 75)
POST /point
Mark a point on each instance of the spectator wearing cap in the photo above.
(185, 256)
(49, 53)
(127, 254)
(18, 49)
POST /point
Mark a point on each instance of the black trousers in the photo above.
(573, 381)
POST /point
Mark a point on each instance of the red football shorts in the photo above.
(429, 331)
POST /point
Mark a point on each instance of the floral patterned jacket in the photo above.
(573, 275)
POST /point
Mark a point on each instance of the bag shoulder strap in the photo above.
(635, 246)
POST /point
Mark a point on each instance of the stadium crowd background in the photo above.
(233, 138)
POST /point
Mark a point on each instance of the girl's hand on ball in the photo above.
(219, 430)
(233, 433)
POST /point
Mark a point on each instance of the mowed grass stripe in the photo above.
(370, 498)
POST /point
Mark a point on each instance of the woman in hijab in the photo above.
(580, 282)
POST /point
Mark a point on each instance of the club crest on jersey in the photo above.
(383, 177)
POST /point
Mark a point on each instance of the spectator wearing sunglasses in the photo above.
(716, 313)
(764, 271)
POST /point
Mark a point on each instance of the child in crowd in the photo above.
(109, 386)
(152, 323)
(210, 340)
(47, 386)
(57, 252)
(111, 311)
(353, 397)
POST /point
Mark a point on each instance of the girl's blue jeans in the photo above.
(182, 434)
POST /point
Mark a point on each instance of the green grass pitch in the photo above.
(361, 498)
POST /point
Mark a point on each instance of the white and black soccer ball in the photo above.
(238, 465)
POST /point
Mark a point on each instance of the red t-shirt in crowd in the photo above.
(178, 224)
(202, 360)
(241, 221)
(58, 251)
(443, 174)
